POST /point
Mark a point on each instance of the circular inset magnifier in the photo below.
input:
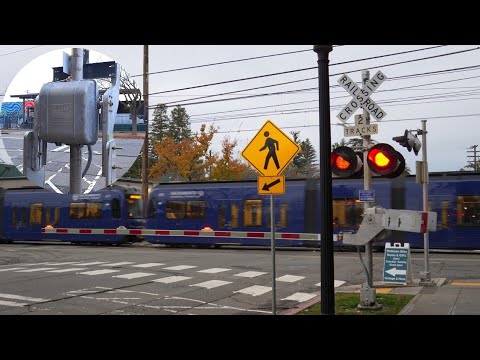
(67, 114)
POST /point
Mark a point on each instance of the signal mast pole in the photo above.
(368, 296)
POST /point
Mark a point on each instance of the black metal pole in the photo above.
(327, 289)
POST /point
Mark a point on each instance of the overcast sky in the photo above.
(440, 92)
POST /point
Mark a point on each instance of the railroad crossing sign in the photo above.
(271, 185)
(361, 97)
(271, 150)
(360, 128)
(396, 265)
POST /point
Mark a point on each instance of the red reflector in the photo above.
(162, 232)
(85, 231)
(62, 231)
(255, 234)
(191, 233)
(110, 231)
(290, 236)
(223, 233)
(423, 227)
(135, 232)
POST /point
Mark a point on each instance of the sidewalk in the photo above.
(447, 298)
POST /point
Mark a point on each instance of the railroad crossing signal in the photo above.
(271, 150)
(271, 185)
(361, 97)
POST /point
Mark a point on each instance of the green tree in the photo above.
(159, 129)
(179, 125)
(305, 162)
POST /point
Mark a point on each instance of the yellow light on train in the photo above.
(49, 226)
(207, 228)
(138, 197)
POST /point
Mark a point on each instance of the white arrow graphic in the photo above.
(395, 272)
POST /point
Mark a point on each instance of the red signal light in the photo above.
(384, 160)
(345, 162)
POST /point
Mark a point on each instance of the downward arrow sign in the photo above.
(267, 187)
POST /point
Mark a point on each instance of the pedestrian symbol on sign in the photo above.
(270, 144)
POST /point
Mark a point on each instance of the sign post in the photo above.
(269, 152)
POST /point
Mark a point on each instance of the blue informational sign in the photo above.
(396, 262)
(366, 195)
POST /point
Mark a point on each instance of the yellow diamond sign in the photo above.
(271, 150)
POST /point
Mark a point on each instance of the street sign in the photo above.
(366, 195)
(271, 150)
(361, 97)
(360, 128)
(396, 264)
(271, 185)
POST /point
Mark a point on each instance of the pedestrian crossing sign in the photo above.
(271, 150)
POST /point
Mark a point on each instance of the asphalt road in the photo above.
(154, 280)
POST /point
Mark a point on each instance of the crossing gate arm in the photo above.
(152, 232)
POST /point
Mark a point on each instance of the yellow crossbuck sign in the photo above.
(271, 150)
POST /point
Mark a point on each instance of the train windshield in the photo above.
(135, 206)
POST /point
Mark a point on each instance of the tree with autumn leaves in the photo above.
(176, 154)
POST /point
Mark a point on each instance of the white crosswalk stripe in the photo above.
(212, 284)
(250, 274)
(12, 269)
(213, 270)
(133, 275)
(99, 272)
(35, 269)
(179, 267)
(148, 265)
(336, 283)
(255, 290)
(300, 297)
(18, 297)
(65, 270)
(119, 263)
(171, 279)
(290, 278)
(91, 263)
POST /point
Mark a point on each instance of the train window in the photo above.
(77, 210)
(47, 216)
(221, 215)
(196, 210)
(93, 211)
(175, 210)
(468, 210)
(252, 213)
(347, 212)
(135, 207)
(444, 214)
(36, 214)
(116, 211)
(23, 216)
(152, 208)
(56, 218)
(234, 211)
(283, 215)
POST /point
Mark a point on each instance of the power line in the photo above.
(276, 93)
(291, 71)
(383, 121)
(17, 51)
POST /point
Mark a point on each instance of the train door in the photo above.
(228, 214)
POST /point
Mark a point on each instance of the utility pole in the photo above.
(425, 276)
(474, 147)
(327, 289)
(145, 142)
(76, 150)
(368, 296)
